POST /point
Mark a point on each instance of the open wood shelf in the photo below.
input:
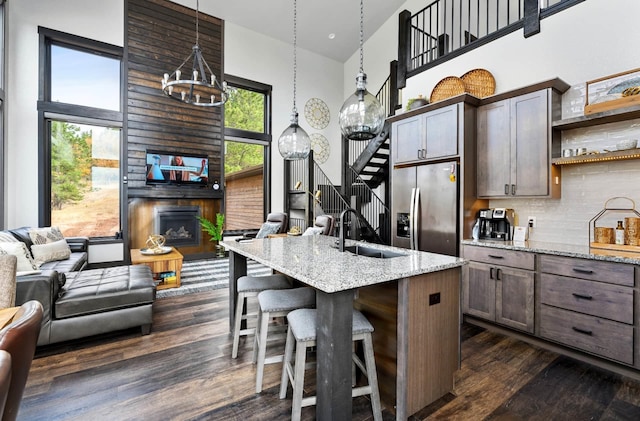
(611, 116)
(598, 157)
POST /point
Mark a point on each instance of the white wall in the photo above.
(587, 41)
(254, 56)
(248, 54)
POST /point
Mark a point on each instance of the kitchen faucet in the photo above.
(342, 217)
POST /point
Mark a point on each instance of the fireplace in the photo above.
(178, 224)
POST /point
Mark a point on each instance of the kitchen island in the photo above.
(412, 300)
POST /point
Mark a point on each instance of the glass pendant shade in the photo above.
(361, 115)
(294, 142)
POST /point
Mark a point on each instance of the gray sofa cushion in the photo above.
(106, 289)
(77, 261)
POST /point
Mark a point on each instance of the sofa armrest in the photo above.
(78, 244)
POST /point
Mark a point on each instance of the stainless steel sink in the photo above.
(371, 252)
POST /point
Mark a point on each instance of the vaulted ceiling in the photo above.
(317, 19)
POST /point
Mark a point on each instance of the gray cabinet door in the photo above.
(530, 144)
(407, 140)
(513, 139)
(441, 128)
(515, 298)
(494, 150)
(479, 291)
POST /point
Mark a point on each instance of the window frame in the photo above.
(246, 136)
(75, 114)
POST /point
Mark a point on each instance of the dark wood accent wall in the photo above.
(159, 37)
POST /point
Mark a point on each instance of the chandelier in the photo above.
(361, 116)
(195, 84)
(294, 143)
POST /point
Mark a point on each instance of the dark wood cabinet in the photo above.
(514, 147)
(588, 305)
(431, 135)
(498, 285)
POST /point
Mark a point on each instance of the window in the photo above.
(246, 154)
(80, 135)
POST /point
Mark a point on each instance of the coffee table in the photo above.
(161, 264)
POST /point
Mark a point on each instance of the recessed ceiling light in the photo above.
(332, 35)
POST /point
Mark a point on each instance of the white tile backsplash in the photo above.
(585, 187)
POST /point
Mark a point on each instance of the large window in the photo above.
(246, 154)
(80, 135)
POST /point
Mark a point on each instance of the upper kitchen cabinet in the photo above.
(428, 133)
(514, 142)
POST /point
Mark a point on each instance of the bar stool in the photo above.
(276, 303)
(251, 286)
(302, 334)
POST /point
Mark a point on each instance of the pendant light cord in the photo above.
(361, 35)
(295, 61)
(197, 23)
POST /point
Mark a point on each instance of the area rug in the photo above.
(207, 275)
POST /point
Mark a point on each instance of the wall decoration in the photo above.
(317, 113)
(321, 148)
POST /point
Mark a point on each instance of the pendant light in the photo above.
(361, 115)
(199, 86)
(294, 142)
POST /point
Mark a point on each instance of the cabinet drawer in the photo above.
(495, 256)
(602, 337)
(595, 298)
(610, 272)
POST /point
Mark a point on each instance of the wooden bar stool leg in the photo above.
(372, 377)
(286, 365)
(237, 323)
(298, 381)
(261, 343)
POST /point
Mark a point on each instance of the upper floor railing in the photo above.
(447, 28)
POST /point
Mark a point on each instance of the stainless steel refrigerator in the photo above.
(425, 203)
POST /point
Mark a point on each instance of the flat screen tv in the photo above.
(179, 169)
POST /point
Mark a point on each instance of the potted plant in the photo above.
(413, 103)
(215, 231)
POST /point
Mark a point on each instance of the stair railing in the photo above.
(372, 208)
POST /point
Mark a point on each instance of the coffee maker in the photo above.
(495, 224)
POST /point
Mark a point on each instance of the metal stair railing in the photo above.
(372, 208)
(331, 201)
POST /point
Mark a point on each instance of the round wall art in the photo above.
(321, 148)
(317, 113)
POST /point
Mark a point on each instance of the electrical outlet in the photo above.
(531, 221)
(434, 298)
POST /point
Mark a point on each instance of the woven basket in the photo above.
(446, 88)
(479, 83)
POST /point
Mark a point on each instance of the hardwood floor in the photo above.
(183, 371)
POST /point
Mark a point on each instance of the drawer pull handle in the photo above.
(584, 297)
(586, 271)
(583, 331)
(493, 256)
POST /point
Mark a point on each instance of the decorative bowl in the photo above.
(626, 144)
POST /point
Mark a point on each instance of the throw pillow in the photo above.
(7, 237)
(45, 235)
(19, 249)
(57, 250)
(268, 228)
(313, 231)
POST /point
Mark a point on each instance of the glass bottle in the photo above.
(619, 233)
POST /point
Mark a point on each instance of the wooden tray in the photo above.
(604, 83)
(615, 250)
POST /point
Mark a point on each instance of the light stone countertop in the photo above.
(315, 260)
(566, 250)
